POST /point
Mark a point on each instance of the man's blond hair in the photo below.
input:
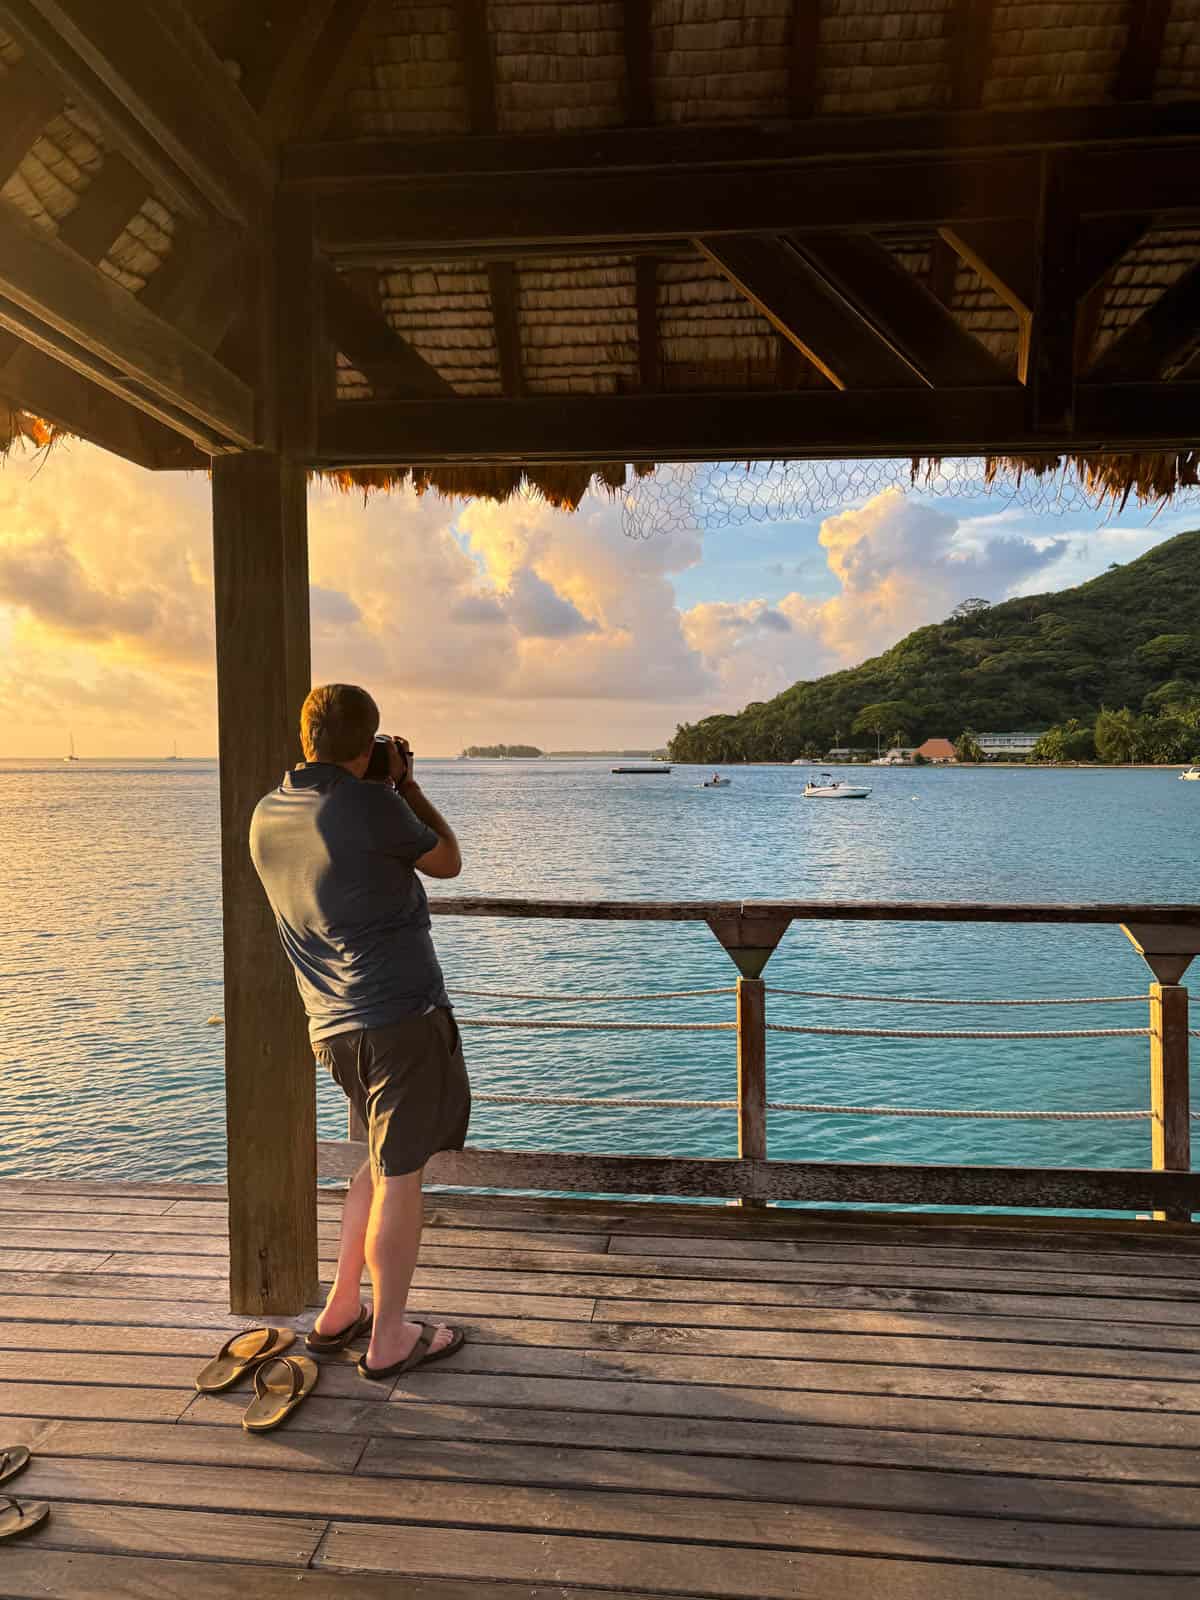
(337, 722)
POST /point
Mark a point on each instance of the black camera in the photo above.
(379, 767)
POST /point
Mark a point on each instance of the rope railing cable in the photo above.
(815, 1108)
(930, 1000)
(616, 1026)
(961, 1033)
(591, 999)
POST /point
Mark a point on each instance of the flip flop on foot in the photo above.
(326, 1343)
(19, 1517)
(14, 1458)
(279, 1387)
(240, 1354)
(421, 1354)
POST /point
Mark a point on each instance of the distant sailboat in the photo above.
(71, 756)
(174, 756)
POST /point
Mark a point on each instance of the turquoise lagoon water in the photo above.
(110, 960)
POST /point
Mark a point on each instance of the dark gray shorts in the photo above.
(408, 1082)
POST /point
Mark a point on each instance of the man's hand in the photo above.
(400, 763)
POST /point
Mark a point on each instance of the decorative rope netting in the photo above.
(701, 496)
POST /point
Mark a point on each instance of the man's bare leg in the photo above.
(345, 1296)
(393, 1239)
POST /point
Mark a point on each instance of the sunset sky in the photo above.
(483, 623)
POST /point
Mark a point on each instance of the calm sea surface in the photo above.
(110, 957)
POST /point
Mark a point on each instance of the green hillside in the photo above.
(1128, 641)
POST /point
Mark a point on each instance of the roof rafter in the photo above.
(796, 299)
(1138, 66)
(1003, 256)
(143, 69)
(30, 100)
(477, 64)
(900, 310)
(366, 338)
(639, 62)
(649, 342)
(502, 287)
(752, 425)
(803, 57)
(1050, 367)
(970, 48)
(58, 302)
(1165, 331)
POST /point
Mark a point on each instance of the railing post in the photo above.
(1170, 1107)
(752, 1072)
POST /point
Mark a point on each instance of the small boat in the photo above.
(716, 782)
(1190, 775)
(72, 756)
(174, 756)
(825, 788)
(641, 772)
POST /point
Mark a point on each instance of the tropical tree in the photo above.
(1118, 736)
(968, 748)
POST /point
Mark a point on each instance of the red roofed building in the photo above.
(937, 750)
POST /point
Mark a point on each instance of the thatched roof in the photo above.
(559, 66)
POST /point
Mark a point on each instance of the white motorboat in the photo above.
(716, 782)
(826, 788)
(1190, 775)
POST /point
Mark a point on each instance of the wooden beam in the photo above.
(800, 305)
(900, 310)
(281, 87)
(970, 51)
(105, 332)
(1138, 66)
(804, 54)
(1102, 243)
(259, 565)
(840, 1182)
(476, 45)
(339, 53)
(943, 271)
(365, 337)
(1003, 256)
(1050, 367)
(1164, 332)
(649, 344)
(106, 207)
(751, 425)
(33, 381)
(145, 73)
(639, 63)
(30, 101)
(502, 287)
(1135, 129)
(1150, 927)
(575, 210)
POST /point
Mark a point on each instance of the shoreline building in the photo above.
(937, 750)
(1005, 745)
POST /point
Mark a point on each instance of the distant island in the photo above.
(1108, 671)
(501, 752)
(592, 755)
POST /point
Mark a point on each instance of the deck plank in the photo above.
(665, 1568)
(528, 1340)
(876, 1528)
(921, 1448)
(685, 1401)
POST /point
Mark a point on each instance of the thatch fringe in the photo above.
(1149, 477)
(18, 427)
(561, 484)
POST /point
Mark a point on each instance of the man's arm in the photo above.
(445, 859)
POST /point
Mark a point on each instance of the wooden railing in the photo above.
(1166, 936)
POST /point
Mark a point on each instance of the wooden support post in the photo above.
(752, 1072)
(260, 576)
(1171, 1129)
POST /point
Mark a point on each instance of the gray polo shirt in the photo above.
(335, 855)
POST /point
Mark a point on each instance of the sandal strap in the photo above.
(421, 1347)
(295, 1376)
(227, 1348)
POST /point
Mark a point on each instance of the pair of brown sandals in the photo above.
(282, 1382)
(18, 1517)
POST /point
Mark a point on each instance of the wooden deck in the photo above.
(683, 1401)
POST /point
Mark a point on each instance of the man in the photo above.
(338, 856)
